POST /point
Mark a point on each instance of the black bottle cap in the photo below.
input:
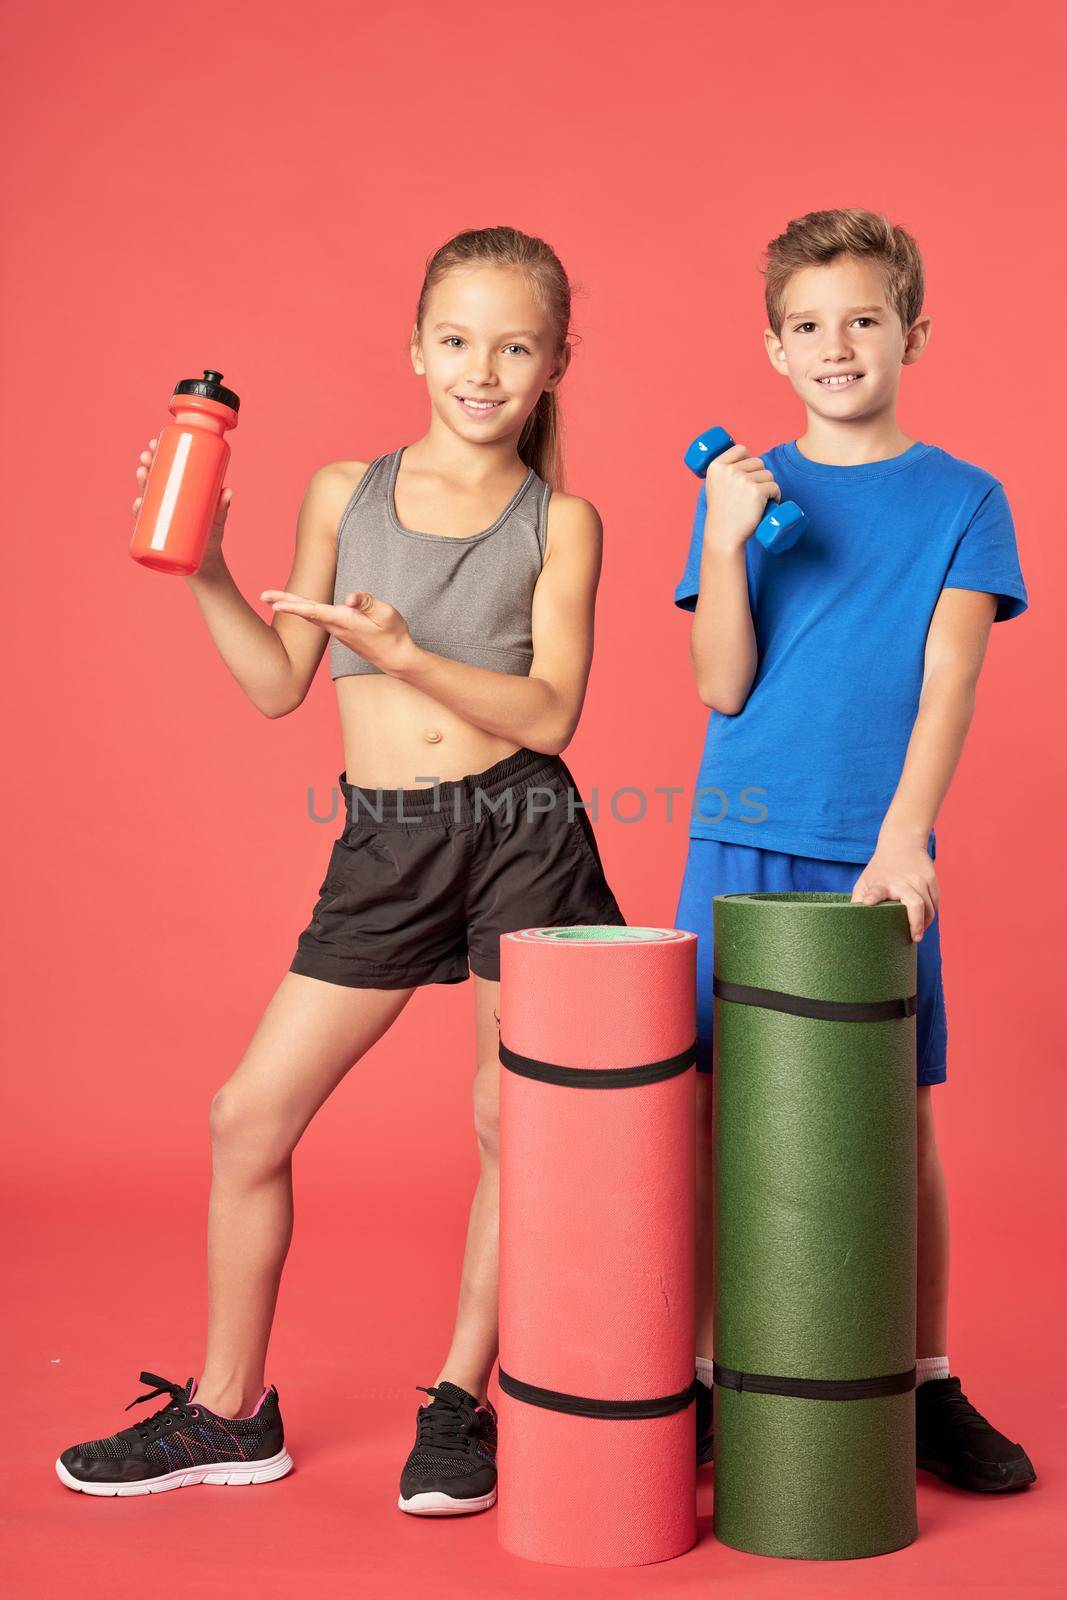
(210, 387)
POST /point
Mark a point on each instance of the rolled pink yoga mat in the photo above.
(597, 1425)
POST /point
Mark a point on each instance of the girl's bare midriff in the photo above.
(394, 735)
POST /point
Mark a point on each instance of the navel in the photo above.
(433, 736)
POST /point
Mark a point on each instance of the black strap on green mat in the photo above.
(579, 1405)
(598, 1077)
(800, 1005)
(814, 1388)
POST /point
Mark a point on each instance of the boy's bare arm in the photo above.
(955, 647)
(901, 868)
(274, 663)
(722, 640)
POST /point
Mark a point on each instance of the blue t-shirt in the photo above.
(811, 762)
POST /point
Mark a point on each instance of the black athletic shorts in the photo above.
(422, 879)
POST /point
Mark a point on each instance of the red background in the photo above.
(257, 187)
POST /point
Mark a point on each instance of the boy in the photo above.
(841, 680)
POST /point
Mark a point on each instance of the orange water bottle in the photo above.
(182, 491)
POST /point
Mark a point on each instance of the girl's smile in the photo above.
(478, 408)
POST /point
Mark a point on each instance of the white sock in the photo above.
(704, 1369)
(931, 1367)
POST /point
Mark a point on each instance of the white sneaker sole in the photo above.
(432, 1503)
(211, 1472)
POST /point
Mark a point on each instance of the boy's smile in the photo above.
(842, 345)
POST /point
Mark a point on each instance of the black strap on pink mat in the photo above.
(584, 1406)
(598, 1077)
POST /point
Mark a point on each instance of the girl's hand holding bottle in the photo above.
(213, 561)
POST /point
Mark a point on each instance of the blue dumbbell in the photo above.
(783, 523)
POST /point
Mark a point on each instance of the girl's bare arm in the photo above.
(274, 662)
(541, 709)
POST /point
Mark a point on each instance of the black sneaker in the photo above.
(705, 1424)
(956, 1442)
(452, 1467)
(179, 1445)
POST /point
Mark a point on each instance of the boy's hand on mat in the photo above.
(901, 869)
(739, 487)
(372, 628)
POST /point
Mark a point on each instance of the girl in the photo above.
(455, 586)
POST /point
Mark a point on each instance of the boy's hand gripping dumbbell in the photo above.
(781, 525)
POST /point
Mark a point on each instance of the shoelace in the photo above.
(443, 1423)
(167, 1415)
(955, 1405)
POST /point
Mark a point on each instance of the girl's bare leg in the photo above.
(309, 1036)
(475, 1340)
(705, 1220)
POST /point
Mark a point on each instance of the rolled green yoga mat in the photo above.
(814, 1062)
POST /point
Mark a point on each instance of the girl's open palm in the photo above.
(372, 628)
(213, 549)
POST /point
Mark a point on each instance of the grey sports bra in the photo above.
(469, 598)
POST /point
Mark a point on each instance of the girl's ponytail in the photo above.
(541, 440)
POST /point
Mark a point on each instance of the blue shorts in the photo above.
(715, 867)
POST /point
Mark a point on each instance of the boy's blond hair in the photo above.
(815, 239)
